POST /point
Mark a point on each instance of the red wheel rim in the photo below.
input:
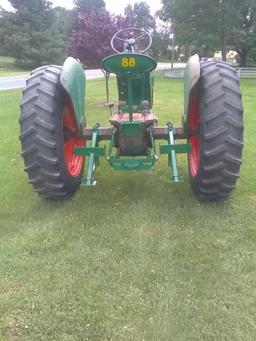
(74, 162)
(194, 140)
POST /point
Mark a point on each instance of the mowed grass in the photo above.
(136, 257)
(8, 67)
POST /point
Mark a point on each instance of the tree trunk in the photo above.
(224, 54)
(223, 42)
(243, 57)
(187, 51)
(224, 50)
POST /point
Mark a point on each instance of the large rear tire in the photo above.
(215, 121)
(47, 126)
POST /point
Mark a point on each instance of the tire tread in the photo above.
(221, 132)
(39, 134)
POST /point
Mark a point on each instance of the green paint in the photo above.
(134, 81)
(87, 151)
(131, 129)
(132, 163)
(73, 80)
(129, 64)
(93, 161)
(142, 89)
(178, 148)
(130, 98)
(191, 78)
(172, 149)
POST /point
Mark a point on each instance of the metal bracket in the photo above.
(132, 163)
(94, 153)
(172, 155)
(87, 151)
(182, 148)
(172, 149)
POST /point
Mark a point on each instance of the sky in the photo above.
(114, 6)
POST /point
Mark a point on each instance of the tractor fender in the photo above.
(73, 81)
(191, 78)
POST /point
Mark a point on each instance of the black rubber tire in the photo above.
(41, 135)
(220, 132)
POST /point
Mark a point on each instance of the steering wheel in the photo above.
(130, 41)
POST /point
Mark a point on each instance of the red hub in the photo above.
(194, 140)
(74, 162)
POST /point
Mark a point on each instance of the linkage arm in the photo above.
(94, 152)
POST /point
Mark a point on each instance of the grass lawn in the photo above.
(8, 68)
(135, 258)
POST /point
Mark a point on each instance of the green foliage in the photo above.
(35, 6)
(252, 57)
(193, 25)
(4, 31)
(243, 36)
(35, 34)
(89, 5)
(64, 20)
(136, 257)
(212, 25)
(139, 16)
(9, 68)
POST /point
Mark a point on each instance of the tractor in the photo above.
(55, 140)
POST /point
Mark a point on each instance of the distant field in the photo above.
(8, 68)
(135, 258)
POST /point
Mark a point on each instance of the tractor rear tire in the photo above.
(46, 113)
(216, 118)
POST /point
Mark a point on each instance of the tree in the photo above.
(92, 32)
(191, 24)
(139, 16)
(5, 28)
(64, 20)
(89, 5)
(243, 37)
(34, 38)
(34, 6)
(213, 24)
(90, 40)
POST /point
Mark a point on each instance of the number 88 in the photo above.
(128, 62)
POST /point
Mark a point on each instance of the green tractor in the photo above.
(55, 139)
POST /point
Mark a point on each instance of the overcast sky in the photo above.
(114, 6)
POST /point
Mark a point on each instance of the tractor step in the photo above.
(133, 163)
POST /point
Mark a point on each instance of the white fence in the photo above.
(241, 73)
(247, 72)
